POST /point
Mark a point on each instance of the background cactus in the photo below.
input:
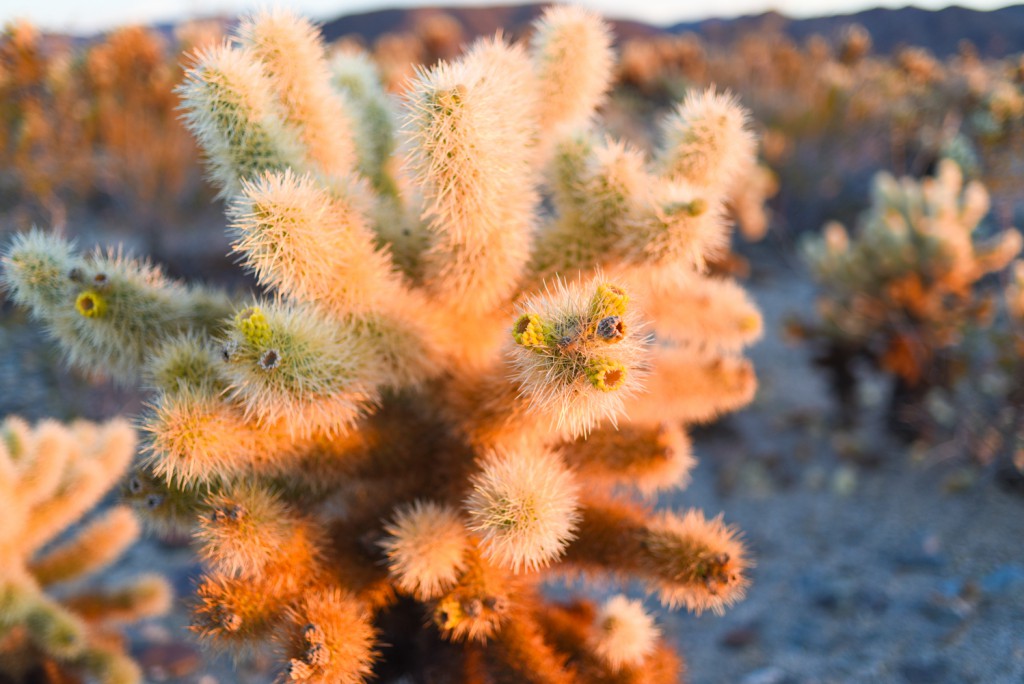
(469, 367)
(50, 629)
(904, 290)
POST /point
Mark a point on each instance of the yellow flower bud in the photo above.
(448, 613)
(91, 304)
(254, 326)
(606, 376)
(528, 331)
(609, 300)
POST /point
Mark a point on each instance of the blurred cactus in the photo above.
(837, 100)
(93, 125)
(50, 476)
(434, 36)
(477, 343)
(903, 291)
(854, 44)
(143, 157)
(43, 128)
(650, 64)
(748, 198)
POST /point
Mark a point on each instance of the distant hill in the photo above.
(996, 33)
(475, 21)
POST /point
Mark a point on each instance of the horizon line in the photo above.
(326, 16)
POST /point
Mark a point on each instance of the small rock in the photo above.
(872, 599)
(1002, 578)
(814, 478)
(923, 670)
(175, 540)
(803, 452)
(827, 598)
(184, 579)
(872, 392)
(755, 480)
(945, 612)
(844, 481)
(848, 446)
(918, 559)
(951, 588)
(941, 409)
(994, 384)
(164, 661)
(808, 636)
(821, 592)
(798, 418)
(766, 675)
(959, 481)
(740, 637)
(155, 633)
(919, 451)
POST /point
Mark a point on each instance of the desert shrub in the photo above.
(902, 292)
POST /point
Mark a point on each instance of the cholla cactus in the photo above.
(50, 476)
(448, 393)
(904, 290)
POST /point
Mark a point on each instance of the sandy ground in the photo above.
(875, 563)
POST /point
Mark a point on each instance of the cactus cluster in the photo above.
(483, 326)
(54, 627)
(94, 125)
(903, 291)
(830, 97)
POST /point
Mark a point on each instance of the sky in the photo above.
(89, 16)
